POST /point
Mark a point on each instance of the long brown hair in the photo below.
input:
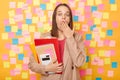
(54, 31)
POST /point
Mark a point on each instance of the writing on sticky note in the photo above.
(101, 7)
(101, 53)
(31, 28)
(104, 24)
(110, 73)
(19, 66)
(92, 43)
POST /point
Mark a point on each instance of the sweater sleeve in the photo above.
(76, 48)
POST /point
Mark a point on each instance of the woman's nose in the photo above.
(63, 16)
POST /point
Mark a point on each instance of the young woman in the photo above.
(71, 48)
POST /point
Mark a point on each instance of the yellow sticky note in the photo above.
(43, 19)
(102, 34)
(28, 10)
(32, 28)
(12, 21)
(52, 1)
(24, 75)
(4, 36)
(8, 78)
(12, 53)
(41, 29)
(92, 44)
(113, 7)
(77, 26)
(90, 2)
(14, 28)
(19, 66)
(47, 27)
(97, 2)
(85, 66)
(20, 4)
(24, 27)
(49, 6)
(36, 2)
(107, 60)
(21, 49)
(11, 13)
(93, 56)
(105, 15)
(28, 39)
(6, 64)
(35, 19)
(88, 78)
(101, 53)
(97, 20)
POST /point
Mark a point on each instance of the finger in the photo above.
(54, 61)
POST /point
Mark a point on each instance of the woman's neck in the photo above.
(60, 35)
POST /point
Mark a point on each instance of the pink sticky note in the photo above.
(33, 77)
(104, 24)
(18, 11)
(106, 42)
(88, 71)
(26, 60)
(110, 73)
(39, 12)
(15, 48)
(12, 60)
(25, 66)
(28, 15)
(90, 22)
(26, 47)
(100, 62)
(97, 38)
(115, 24)
(6, 22)
(72, 3)
(97, 14)
(100, 70)
(100, 43)
(39, 24)
(12, 72)
(112, 52)
(18, 17)
(25, 33)
(83, 0)
(11, 34)
(107, 53)
(36, 35)
(93, 62)
(101, 7)
(12, 4)
(24, 6)
(17, 71)
(29, 1)
(112, 43)
(81, 18)
(19, 25)
(87, 9)
(5, 56)
(8, 45)
(81, 4)
(91, 50)
(82, 72)
(50, 13)
(21, 40)
(84, 27)
(87, 43)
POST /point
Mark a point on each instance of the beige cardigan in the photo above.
(74, 57)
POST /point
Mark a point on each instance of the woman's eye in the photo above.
(59, 14)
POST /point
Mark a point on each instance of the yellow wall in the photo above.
(102, 46)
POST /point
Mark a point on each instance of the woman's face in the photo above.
(62, 15)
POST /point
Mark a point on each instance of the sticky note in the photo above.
(35, 19)
(98, 78)
(102, 34)
(6, 64)
(88, 36)
(28, 21)
(12, 60)
(24, 27)
(26, 60)
(18, 18)
(19, 32)
(110, 73)
(100, 70)
(75, 18)
(92, 50)
(82, 72)
(90, 2)
(20, 56)
(20, 4)
(97, 20)
(107, 53)
(114, 64)
(97, 2)
(28, 10)
(43, 6)
(87, 58)
(25, 66)
(92, 27)
(4, 36)
(97, 14)
(88, 71)
(112, 1)
(14, 29)
(101, 53)
(21, 40)
(105, 15)
(93, 8)
(115, 24)
(112, 52)
(11, 34)
(6, 22)
(31, 28)
(24, 75)
(8, 78)
(92, 43)
(5, 57)
(37, 35)
(49, 6)
(107, 60)
(84, 27)
(12, 53)
(43, 19)
(15, 41)
(36, 2)
(109, 32)
(29, 1)
(19, 11)
(32, 77)
(112, 43)
(18, 66)
(88, 77)
(101, 6)
(12, 4)
(113, 7)
(28, 39)
(7, 28)
(104, 24)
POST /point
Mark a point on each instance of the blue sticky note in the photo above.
(98, 78)
(15, 41)
(20, 56)
(109, 32)
(19, 32)
(88, 36)
(7, 28)
(114, 64)
(112, 1)
(28, 21)
(43, 6)
(87, 58)
(75, 18)
(92, 27)
(94, 8)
